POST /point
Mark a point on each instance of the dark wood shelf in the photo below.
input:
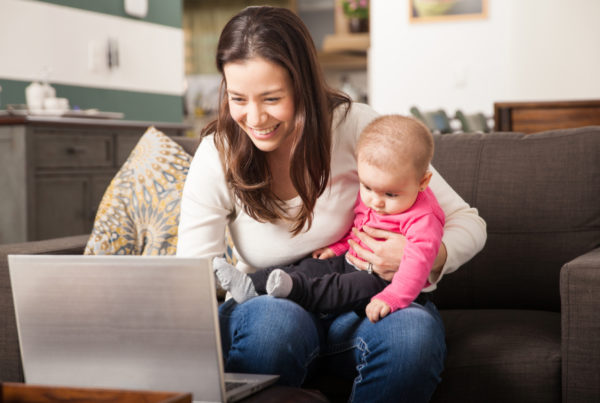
(531, 117)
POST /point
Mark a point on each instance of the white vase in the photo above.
(35, 94)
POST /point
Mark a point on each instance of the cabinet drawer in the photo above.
(73, 151)
(125, 144)
(61, 205)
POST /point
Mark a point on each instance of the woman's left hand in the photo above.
(387, 250)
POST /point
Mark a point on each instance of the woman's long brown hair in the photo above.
(279, 36)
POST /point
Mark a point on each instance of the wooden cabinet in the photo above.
(53, 172)
(532, 117)
(345, 51)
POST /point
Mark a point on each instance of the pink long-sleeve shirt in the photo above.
(423, 226)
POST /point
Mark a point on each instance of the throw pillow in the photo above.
(139, 212)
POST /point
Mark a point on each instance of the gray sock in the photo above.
(237, 283)
(279, 284)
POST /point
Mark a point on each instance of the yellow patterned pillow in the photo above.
(139, 212)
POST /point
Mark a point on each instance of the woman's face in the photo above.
(261, 101)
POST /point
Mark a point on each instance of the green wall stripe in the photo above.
(135, 105)
(164, 12)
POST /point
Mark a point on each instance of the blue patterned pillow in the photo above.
(139, 212)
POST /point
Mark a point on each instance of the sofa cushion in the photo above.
(139, 212)
(501, 356)
(539, 196)
(189, 144)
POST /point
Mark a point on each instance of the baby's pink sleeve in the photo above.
(424, 237)
(341, 246)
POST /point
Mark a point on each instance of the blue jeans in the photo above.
(398, 359)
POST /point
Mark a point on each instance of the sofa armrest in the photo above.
(10, 364)
(71, 245)
(580, 295)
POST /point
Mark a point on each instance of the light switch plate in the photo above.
(136, 8)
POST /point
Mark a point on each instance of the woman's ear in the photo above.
(425, 181)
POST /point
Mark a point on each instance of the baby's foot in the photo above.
(279, 284)
(237, 283)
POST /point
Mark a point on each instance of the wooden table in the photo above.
(21, 393)
(24, 393)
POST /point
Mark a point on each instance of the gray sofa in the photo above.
(522, 318)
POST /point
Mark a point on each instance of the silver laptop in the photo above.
(129, 322)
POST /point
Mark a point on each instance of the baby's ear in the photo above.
(425, 181)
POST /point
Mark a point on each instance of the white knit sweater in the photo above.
(208, 205)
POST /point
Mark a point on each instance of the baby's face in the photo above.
(388, 191)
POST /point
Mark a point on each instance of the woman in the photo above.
(278, 167)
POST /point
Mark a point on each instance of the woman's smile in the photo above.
(264, 134)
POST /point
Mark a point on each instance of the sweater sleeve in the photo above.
(206, 204)
(341, 246)
(464, 231)
(423, 238)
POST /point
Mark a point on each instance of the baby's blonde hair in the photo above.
(396, 139)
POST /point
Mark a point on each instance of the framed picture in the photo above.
(446, 10)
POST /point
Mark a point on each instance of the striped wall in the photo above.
(67, 41)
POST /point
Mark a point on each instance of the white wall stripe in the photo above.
(34, 35)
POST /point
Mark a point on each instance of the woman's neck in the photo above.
(279, 164)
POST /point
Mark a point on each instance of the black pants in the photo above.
(327, 286)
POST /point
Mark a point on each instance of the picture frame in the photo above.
(425, 11)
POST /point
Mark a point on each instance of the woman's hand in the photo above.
(387, 251)
(440, 261)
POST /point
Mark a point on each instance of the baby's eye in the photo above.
(391, 195)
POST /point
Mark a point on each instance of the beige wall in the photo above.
(523, 50)
(71, 44)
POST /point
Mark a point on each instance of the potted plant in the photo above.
(357, 12)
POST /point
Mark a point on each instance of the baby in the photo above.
(393, 155)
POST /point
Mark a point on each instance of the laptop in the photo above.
(127, 322)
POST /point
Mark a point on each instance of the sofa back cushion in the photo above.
(189, 144)
(540, 197)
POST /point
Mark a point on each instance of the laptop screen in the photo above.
(129, 322)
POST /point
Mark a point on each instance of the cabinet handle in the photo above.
(73, 150)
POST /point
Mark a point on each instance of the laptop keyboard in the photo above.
(232, 385)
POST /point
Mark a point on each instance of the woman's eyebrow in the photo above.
(270, 92)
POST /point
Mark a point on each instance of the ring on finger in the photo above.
(370, 268)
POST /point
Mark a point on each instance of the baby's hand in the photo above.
(376, 310)
(323, 253)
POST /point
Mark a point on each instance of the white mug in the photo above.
(56, 104)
